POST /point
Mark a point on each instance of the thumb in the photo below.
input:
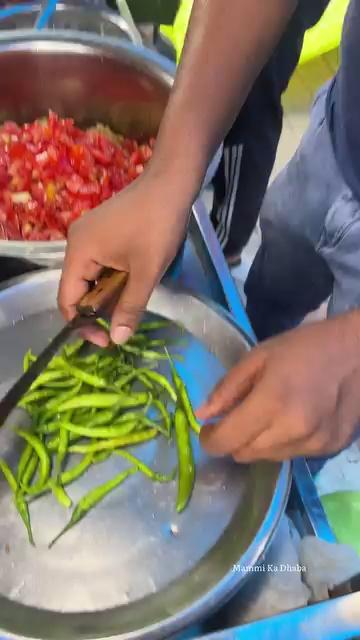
(234, 387)
(130, 308)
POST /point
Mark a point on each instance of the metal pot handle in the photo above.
(50, 7)
(125, 12)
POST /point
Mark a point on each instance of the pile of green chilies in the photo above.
(96, 405)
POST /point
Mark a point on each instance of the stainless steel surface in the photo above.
(308, 504)
(97, 80)
(76, 16)
(13, 396)
(168, 570)
(125, 12)
(334, 620)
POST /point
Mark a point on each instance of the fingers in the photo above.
(131, 306)
(234, 387)
(74, 282)
(95, 335)
(239, 427)
(274, 444)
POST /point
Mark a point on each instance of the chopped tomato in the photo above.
(52, 172)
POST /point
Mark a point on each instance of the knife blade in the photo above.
(106, 289)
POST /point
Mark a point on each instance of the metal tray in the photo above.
(133, 569)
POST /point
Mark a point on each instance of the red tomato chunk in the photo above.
(52, 172)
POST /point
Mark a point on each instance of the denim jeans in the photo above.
(310, 251)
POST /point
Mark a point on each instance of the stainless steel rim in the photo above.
(200, 602)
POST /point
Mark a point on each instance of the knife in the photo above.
(106, 289)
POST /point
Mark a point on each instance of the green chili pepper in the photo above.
(154, 325)
(161, 381)
(105, 362)
(52, 445)
(156, 344)
(62, 384)
(18, 498)
(103, 323)
(164, 414)
(147, 471)
(8, 475)
(60, 494)
(44, 378)
(72, 349)
(35, 396)
(92, 499)
(24, 461)
(88, 378)
(30, 471)
(53, 405)
(125, 379)
(147, 383)
(145, 354)
(101, 418)
(138, 339)
(61, 452)
(91, 359)
(70, 475)
(186, 466)
(115, 431)
(23, 510)
(183, 397)
(116, 443)
(44, 460)
(102, 456)
(104, 401)
(29, 358)
(48, 428)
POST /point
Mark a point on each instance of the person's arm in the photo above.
(228, 43)
(295, 395)
(142, 228)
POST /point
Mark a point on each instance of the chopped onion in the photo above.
(22, 197)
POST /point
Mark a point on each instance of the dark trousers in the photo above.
(251, 145)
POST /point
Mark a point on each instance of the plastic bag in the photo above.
(343, 512)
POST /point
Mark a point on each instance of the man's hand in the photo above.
(295, 395)
(133, 232)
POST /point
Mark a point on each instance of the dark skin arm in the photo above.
(295, 395)
(224, 52)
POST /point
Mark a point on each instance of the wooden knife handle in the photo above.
(107, 288)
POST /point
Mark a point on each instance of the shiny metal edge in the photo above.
(309, 502)
(219, 263)
(337, 619)
(226, 588)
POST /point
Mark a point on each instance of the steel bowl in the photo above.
(90, 78)
(134, 569)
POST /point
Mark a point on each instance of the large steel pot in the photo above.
(90, 78)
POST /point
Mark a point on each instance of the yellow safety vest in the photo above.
(322, 38)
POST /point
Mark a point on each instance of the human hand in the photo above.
(139, 231)
(295, 395)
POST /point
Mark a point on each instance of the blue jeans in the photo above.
(310, 251)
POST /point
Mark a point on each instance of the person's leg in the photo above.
(289, 277)
(251, 145)
(339, 246)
